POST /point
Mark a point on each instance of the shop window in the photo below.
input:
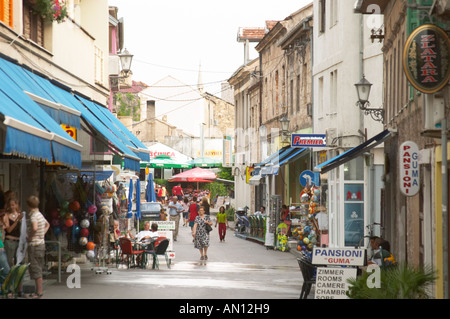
(6, 12)
(354, 169)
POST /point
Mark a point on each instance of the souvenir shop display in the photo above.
(73, 206)
(304, 226)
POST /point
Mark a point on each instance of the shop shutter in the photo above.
(6, 12)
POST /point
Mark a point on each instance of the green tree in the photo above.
(128, 104)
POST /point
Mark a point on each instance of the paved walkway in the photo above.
(236, 269)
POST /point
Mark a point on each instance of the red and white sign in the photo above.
(409, 168)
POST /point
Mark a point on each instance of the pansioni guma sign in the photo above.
(426, 58)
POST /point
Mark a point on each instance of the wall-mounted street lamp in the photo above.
(125, 61)
(363, 90)
(285, 134)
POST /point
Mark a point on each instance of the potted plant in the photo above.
(401, 281)
(49, 10)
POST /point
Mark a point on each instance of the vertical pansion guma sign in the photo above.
(426, 58)
(409, 168)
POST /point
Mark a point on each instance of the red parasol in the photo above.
(195, 175)
(198, 175)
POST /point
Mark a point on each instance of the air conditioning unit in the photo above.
(434, 111)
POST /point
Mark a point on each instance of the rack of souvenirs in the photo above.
(304, 225)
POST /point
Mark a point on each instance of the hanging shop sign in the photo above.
(426, 58)
(308, 140)
(72, 131)
(409, 168)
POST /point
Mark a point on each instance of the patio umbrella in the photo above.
(138, 199)
(150, 195)
(194, 175)
(164, 161)
(198, 175)
(130, 199)
(205, 162)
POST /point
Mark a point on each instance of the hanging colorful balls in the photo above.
(54, 214)
(83, 241)
(57, 230)
(310, 246)
(75, 206)
(69, 223)
(90, 246)
(68, 216)
(306, 241)
(84, 232)
(92, 209)
(76, 230)
(65, 206)
(84, 223)
(299, 248)
(55, 222)
(90, 255)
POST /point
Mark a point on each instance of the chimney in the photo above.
(151, 109)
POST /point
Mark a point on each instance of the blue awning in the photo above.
(353, 153)
(272, 164)
(89, 113)
(30, 131)
(87, 109)
(122, 132)
(36, 88)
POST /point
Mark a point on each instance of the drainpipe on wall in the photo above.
(445, 196)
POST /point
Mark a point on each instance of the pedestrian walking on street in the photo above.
(178, 191)
(36, 229)
(175, 210)
(200, 234)
(222, 220)
(185, 211)
(193, 211)
(205, 204)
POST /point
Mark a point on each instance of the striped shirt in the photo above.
(38, 238)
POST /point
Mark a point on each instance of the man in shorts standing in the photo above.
(37, 226)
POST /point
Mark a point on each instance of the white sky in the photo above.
(175, 37)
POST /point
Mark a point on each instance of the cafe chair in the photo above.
(309, 276)
(159, 250)
(126, 247)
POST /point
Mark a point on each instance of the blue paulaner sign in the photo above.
(308, 140)
(338, 256)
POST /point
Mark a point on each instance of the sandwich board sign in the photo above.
(332, 281)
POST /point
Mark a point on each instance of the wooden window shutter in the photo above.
(6, 12)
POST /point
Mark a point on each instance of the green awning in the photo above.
(205, 162)
(164, 161)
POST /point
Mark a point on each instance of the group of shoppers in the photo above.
(195, 214)
(20, 231)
